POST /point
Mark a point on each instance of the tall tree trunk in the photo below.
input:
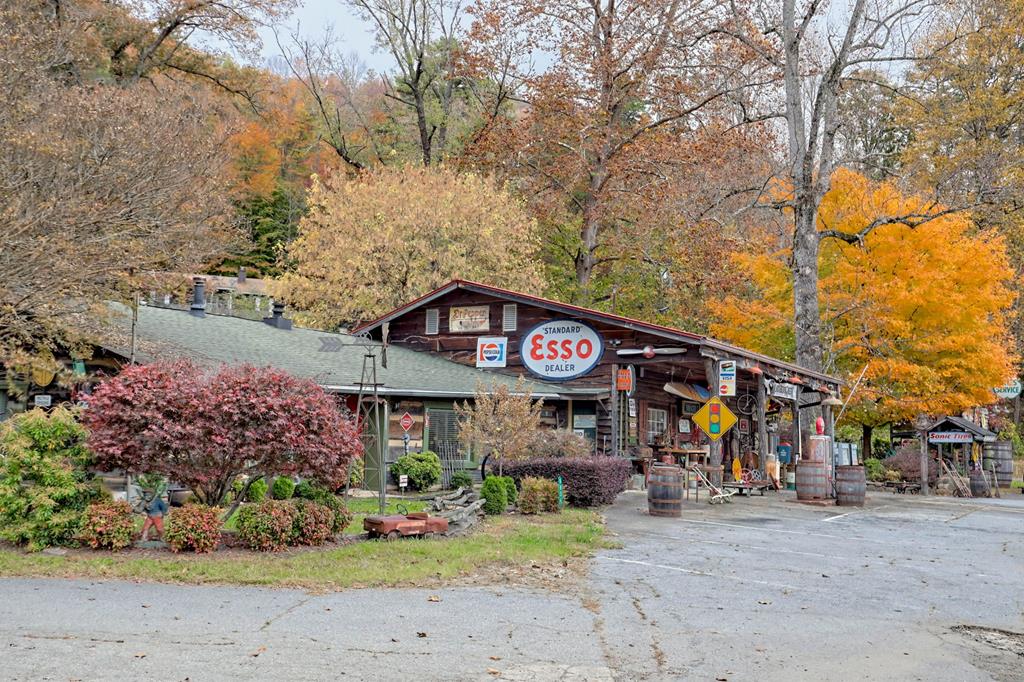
(865, 441)
(421, 123)
(806, 316)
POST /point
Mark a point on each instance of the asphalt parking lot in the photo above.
(760, 589)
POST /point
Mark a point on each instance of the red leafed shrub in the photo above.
(539, 496)
(108, 525)
(268, 526)
(314, 523)
(588, 481)
(194, 527)
(206, 429)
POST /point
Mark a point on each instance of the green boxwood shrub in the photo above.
(108, 525)
(45, 486)
(538, 496)
(283, 488)
(460, 479)
(267, 526)
(194, 527)
(422, 468)
(495, 495)
(510, 489)
(257, 491)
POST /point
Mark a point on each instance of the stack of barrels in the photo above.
(665, 490)
(999, 456)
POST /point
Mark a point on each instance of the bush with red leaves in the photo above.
(194, 527)
(588, 481)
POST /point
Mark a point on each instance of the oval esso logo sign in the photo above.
(561, 349)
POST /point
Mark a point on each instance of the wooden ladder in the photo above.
(963, 489)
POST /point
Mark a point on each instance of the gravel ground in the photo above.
(907, 588)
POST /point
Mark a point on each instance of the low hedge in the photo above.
(194, 527)
(588, 481)
(539, 496)
(267, 526)
(108, 525)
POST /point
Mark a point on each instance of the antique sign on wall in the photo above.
(492, 351)
(714, 418)
(727, 378)
(779, 389)
(561, 349)
(950, 437)
(474, 318)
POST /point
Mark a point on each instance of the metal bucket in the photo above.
(790, 480)
(811, 481)
(665, 491)
(851, 485)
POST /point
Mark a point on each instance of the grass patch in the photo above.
(505, 541)
(361, 507)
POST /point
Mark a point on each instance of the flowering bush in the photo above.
(314, 523)
(108, 525)
(267, 526)
(539, 496)
(194, 527)
(588, 481)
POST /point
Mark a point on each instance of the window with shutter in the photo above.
(432, 323)
(509, 317)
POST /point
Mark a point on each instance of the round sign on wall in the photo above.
(561, 349)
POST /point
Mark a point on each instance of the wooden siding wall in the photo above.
(409, 331)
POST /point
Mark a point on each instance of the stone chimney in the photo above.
(198, 307)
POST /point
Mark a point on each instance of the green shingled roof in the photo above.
(215, 340)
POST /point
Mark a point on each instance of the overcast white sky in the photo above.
(316, 15)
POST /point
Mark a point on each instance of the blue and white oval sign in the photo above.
(561, 349)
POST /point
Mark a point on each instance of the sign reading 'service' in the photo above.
(561, 349)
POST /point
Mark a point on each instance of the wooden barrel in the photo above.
(811, 481)
(665, 490)
(1000, 455)
(979, 483)
(851, 485)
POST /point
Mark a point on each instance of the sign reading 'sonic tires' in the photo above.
(561, 349)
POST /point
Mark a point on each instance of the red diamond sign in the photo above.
(406, 421)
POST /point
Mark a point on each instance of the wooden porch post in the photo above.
(762, 423)
(798, 441)
(711, 373)
(614, 403)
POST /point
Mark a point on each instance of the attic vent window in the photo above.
(509, 316)
(432, 324)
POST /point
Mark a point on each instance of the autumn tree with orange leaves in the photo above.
(924, 308)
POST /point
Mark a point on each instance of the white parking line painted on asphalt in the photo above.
(704, 574)
(788, 532)
(855, 511)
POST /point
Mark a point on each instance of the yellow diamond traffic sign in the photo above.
(714, 418)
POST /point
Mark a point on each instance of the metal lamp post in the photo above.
(922, 423)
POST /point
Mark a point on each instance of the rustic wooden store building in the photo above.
(630, 386)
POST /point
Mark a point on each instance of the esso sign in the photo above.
(561, 349)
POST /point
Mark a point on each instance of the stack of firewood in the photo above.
(462, 508)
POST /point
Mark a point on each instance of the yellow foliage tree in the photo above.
(925, 308)
(376, 241)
